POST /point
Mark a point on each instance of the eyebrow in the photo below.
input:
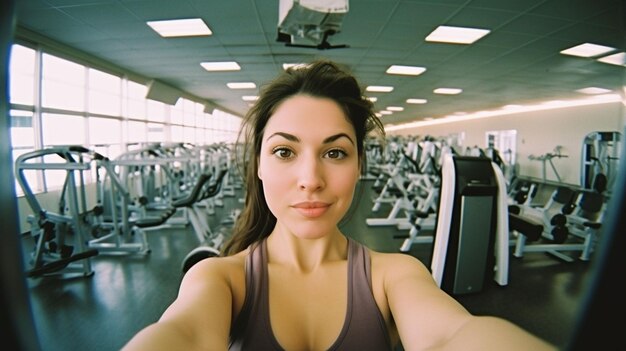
(327, 140)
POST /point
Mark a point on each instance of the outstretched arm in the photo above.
(429, 319)
(199, 318)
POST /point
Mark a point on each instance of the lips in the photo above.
(311, 209)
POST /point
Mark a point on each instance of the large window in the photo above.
(22, 82)
(136, 97)
(104, 131)
(62, 84)
(60, 129)
(156, 111)
(105, 93)
(55, 101)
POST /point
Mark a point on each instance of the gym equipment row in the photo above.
(412, 186)
(149, 188)
(567, 223)
(526, 215)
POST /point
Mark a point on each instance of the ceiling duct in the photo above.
(310, 22)
(163, 93)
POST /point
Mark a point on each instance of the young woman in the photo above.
(289, 278)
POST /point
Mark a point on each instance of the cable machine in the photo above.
(599, 159)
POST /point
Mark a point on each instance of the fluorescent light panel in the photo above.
(416, 101)
(587, 50)
(405, 70)
(250, 98)
(372, 98)
(241, 85)
(395, 108)
(294, 65)
(220, 66)
(593, 90)
(180, 27)
(447, 91)
(456, 35)
(379, 89)
(618, 59)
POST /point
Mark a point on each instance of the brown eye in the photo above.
(283, 153)
(336, 154)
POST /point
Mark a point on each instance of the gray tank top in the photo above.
(364, 327)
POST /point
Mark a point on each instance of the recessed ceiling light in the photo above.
(593, 90)
(294, 65)
(385, 112)
(241, 85)
(587, 50)
(180, 27)
(395, 108)
(378, 114)
(220, 66)
(447, 91)
(456, 35)
(250, 98)
(372, 98)
(379, 88)
(618, 59)
(416, 101)
(405, 70)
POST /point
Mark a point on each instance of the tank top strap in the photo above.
(256, 301)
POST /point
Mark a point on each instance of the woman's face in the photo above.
(309, 165)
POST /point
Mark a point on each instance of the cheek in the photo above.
(346, 181)
(271, 177)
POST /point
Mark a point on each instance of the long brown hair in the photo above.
(321, 78)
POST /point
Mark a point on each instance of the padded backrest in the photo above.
(590, 205)
(600, 182)
(562, 201)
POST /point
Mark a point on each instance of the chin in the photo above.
(312, 231)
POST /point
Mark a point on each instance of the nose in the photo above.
(311, 174)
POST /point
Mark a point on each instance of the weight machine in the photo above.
(59, 235)
(600, 159)
(568, 222)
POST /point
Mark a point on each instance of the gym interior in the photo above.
(119, 165)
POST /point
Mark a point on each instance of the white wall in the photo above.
(539, 132)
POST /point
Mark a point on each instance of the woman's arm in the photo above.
(429, 319)
(492, 333)
(199, 318)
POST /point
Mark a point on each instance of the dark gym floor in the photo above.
(126, 293)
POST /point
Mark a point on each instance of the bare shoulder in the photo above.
(229, 270)
(397, 265)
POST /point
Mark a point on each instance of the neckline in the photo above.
(344, 329)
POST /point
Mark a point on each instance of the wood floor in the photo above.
(126, 293)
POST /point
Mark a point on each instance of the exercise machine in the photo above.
(569, 222)
(599, 160)
(210, 243)
(59, 235)
(471, 239)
